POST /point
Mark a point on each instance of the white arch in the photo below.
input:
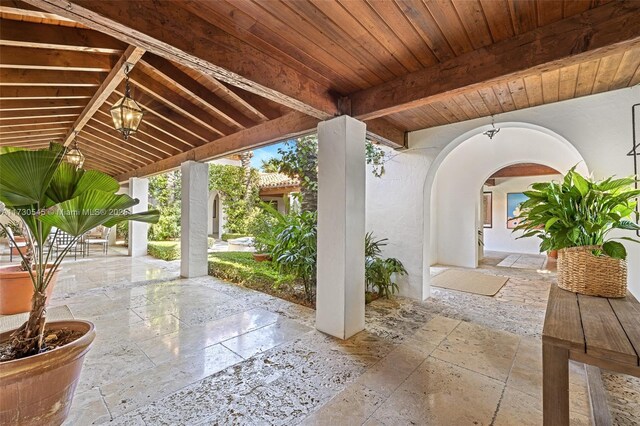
(470, 158)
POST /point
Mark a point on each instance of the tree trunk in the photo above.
(245, 160)
(27, 340)
(309, 190)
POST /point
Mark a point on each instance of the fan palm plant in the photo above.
(47, 193)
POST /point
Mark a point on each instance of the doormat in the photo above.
(470, 282)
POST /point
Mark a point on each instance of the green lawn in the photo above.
(241, 268)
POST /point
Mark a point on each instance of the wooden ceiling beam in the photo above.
(174, 33)
(6, 130)
(34, 104)
(39, 113)
(524, 169)
(165, 95)
(36, 132)
(28, 122)
(16, 7)
(25, 92)
(15, 131)
(31, 78)
(382, 131)
(601, 31)
(53, 135)
(186, 84)
(288, 126)
(162, 117)
(54, 59)
(117, 74)
(43, 36)
(118, 147)
(136, 143)
(112, 153)
(163, 141)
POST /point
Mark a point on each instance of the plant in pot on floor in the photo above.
(40, 362)
(575, 217)
(380, 273)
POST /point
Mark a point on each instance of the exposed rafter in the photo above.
(128, 59)
(598, 32)
(288, 126)
(160, 28)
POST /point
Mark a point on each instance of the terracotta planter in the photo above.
(552, 254)
(38, 390)
(16, 289)
(261, 257)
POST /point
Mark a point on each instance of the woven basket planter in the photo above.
(581, 272)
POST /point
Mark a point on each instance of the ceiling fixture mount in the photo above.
(126, 113)
(73, 155)
(493, 131)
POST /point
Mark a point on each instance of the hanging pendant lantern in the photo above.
(493, 131)
(73, 155)
(126, 113)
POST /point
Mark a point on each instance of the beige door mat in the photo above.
(11, 322)
(470, 282)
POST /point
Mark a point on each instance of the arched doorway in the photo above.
(452, 200)
(502, 194)
(215, 222)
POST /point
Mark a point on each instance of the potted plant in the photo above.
(40, 362)
(379, 273)
(575, 217)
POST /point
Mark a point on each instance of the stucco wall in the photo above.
(498, 237)
(598, 126)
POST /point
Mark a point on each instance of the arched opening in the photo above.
(502, 194)
(452, 194)
(215, 222)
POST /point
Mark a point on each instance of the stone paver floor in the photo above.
(203, 352)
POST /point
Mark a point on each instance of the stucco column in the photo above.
(138, 188)
(341, 227)
(193, 219)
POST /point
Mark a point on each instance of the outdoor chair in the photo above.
(17, 245)
(101, 237)
(63, 239)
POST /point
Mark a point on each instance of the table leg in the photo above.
(555, 385)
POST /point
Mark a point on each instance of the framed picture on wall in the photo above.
(514, 201)
(487, 209)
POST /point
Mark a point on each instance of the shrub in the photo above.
(168, 227)
(230, 236)
(263, 225)
(165, 250)
(380, 272)
(241, 268)
(295, 249)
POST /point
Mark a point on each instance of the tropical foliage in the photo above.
(164, 193)
(299, 160)
(295, 248)
(380, 273)
(580, 212)
(238, 197)
(47, 193)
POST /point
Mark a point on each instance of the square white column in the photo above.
(193, 219)
(138, 188)
(341, 227)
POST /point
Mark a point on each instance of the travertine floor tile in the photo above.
(443, 394)
(480, 349)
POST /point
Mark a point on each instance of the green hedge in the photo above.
(241, 268)
(165, 250)
(230, 236)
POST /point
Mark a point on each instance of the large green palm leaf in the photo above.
(69, 182)
(25, 175)
(90, 209)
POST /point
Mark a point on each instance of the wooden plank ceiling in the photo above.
(220, 76)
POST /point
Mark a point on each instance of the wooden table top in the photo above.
(604, 329)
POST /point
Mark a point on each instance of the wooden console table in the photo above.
(594, 330)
